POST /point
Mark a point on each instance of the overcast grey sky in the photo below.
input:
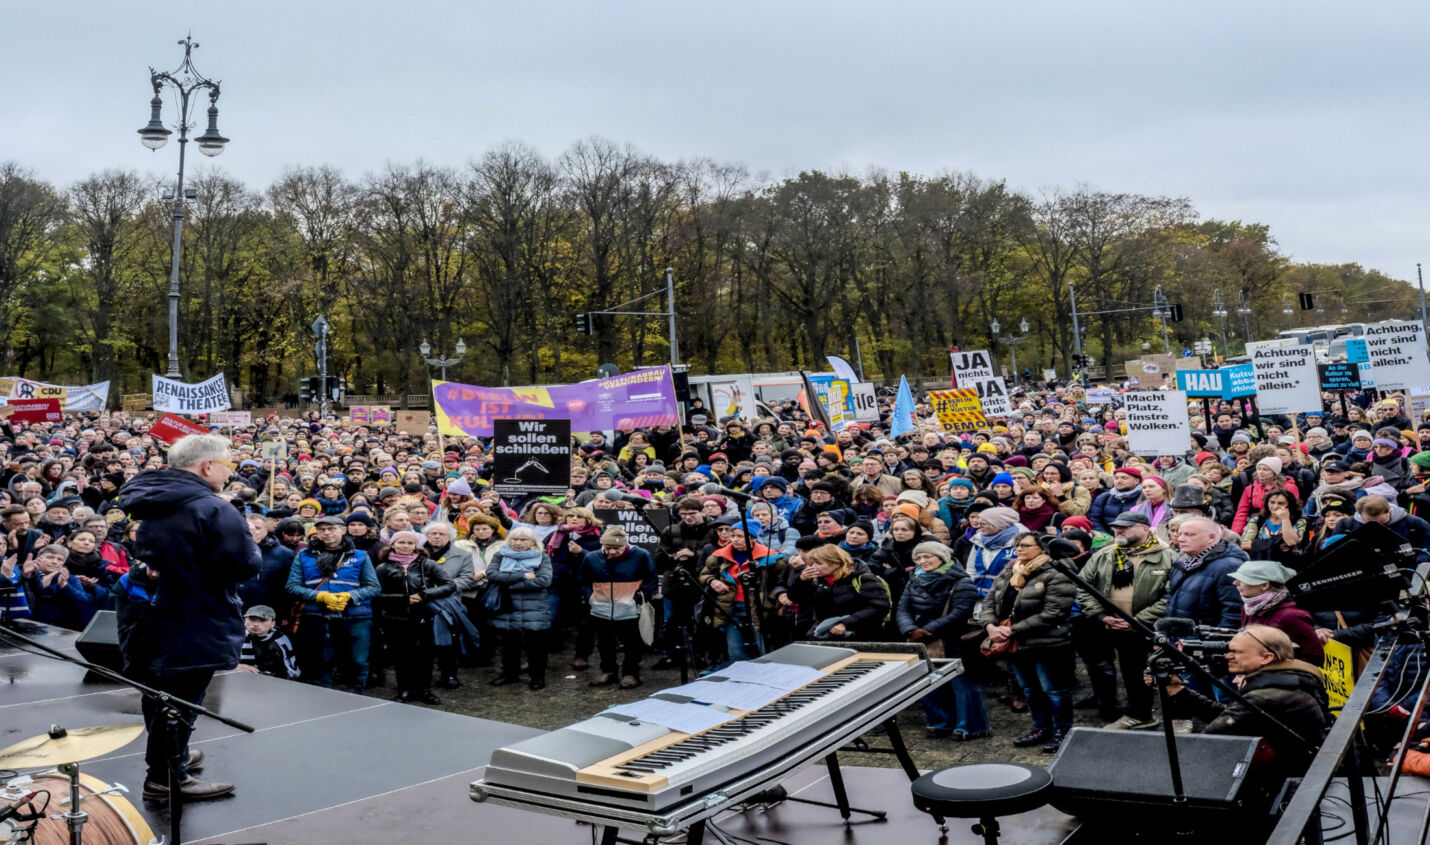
(1308, 116)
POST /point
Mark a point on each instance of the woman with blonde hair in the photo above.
(849, 601)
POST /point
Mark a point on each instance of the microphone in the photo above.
(1176, 626)
(639, 501)
(14, 809)
(726, 491)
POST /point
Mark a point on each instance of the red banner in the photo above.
(36, 410)
(171, 427)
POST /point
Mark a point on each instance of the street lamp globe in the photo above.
(211, 143)
(1023, 325)
(461, 347)
(1146, 346)
(995, 327)
(425, 349)
(155, 135)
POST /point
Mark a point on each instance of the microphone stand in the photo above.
(1166, 653)
(171, 708)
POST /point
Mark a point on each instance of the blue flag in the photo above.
(903, 421)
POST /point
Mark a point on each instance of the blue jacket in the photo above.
(270, 585)
(529, 608)
(1206, 595)
(610, 585)
(70, 606)
(355, 575)
(1106, 508)
(201, 548)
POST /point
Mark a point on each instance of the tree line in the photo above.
(504, 252)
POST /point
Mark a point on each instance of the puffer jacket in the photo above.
(1149, 581)
(1041, 613)
(858, 600)
(769, 572)
(777, 535)
(610, 584)
(422, 577)
(1203, 592)
(1109, 505)
(529, 610)
(940, 603)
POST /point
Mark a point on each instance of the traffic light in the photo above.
(337, 388)
(583, 323)
(1175, 312)
(1308, 302)
(309, 388)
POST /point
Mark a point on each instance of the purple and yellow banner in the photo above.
(638, 399)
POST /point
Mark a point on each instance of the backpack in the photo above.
(888, 594)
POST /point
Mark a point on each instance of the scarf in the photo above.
(564, 535)
(1124, 495)
(999, 541)
(328, 559)
(1122, 561)
(1156, 514)
(515, 561)
(404, 560)
(1024, 568)
(1265, 601)
(921, 574)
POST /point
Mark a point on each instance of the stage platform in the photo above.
(331, 767)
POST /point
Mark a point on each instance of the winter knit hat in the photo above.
(615, 537)
(408, 535)
(460, 487)
(1271, 463)
(1002, 478)
(311, 503)
(998, 518)
(938, 550)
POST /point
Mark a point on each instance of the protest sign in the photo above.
(1100, 395)
(1339, 376)
(642, 526)
(1397, 356)
(5, 410)
(1240, 381)
(733, 396)
(1285, 379)
(1157, 422)
(531, 456)
(35, 410)
(866, 401)
(379, 415)
(171, 427)
(638, 399)
(231, 419)
(413, 422)
(134, 401)
(357, 415)
(1356, 351)
(176, 397)
(975, 369)
(1338, 667)
(75, 398)
(958, 410)
(833, 393)
(272, 450)
(1202, 384)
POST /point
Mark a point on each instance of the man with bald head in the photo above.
(1198, 588)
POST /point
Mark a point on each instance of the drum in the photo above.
(112, 819)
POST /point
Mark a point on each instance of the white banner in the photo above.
(1286, 379)
(1397, 354)
(1157, 422)
(866, 402)
(1100, 395)
(975, 369)
(734, 396)
(175, 397)
(231, 419)
(83, 397)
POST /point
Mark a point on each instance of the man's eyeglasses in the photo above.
(230, 465)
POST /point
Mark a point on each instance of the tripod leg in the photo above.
(609, 834)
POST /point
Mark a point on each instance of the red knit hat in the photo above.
(1132, 471)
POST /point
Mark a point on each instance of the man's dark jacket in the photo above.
(201, 548)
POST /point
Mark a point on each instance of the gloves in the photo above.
(334, 601)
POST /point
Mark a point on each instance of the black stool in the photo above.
(982, 791)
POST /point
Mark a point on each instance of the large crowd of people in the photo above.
(392, 559)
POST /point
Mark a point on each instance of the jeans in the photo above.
(627, 631)
(326, 643)
(1048, 680)
(968, 701)
(1129, 651)
(741, 641)
(410, 642)
(190, 686)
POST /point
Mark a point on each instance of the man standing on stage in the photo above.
(201, 549)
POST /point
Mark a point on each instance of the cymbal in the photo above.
(77, 744)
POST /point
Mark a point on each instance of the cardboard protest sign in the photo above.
(134, 401)
(231, 419)
(171, 427)
(642, 526)
(413, 422)
(1157, 422)
(176, 397)
(958, 410)
(1286, 380)
(379, 415)
(975, 369)
(866, 402)
(272, 450)
(531, 456)
(1397, 354)
(35, 410)
(1100, 395)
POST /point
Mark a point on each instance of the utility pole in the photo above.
(320, 328)
(670, 302)
(1077, 332)
(859, 356)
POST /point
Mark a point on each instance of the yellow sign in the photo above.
(134, 401)
(1339, 668)
(958, 410)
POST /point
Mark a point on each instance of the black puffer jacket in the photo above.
(857, 599)
(201, 547)
(422, 577)
(940, 603)
(1291, 690)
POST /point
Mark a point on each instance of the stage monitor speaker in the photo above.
(1123, 776)
(99, 641)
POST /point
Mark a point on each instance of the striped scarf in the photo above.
(1122, 561)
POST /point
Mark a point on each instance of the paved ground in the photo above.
(567, 698)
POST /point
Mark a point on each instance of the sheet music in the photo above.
(684, 717)
(734, 694)
(785, 677)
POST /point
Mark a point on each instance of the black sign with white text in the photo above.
(531, 456)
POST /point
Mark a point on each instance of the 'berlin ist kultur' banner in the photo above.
(175, 397)
(637, 399)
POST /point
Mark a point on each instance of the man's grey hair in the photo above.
(194, 449)
(432, 526)
(54, 549)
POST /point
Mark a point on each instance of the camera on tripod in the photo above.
(1204, 642)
